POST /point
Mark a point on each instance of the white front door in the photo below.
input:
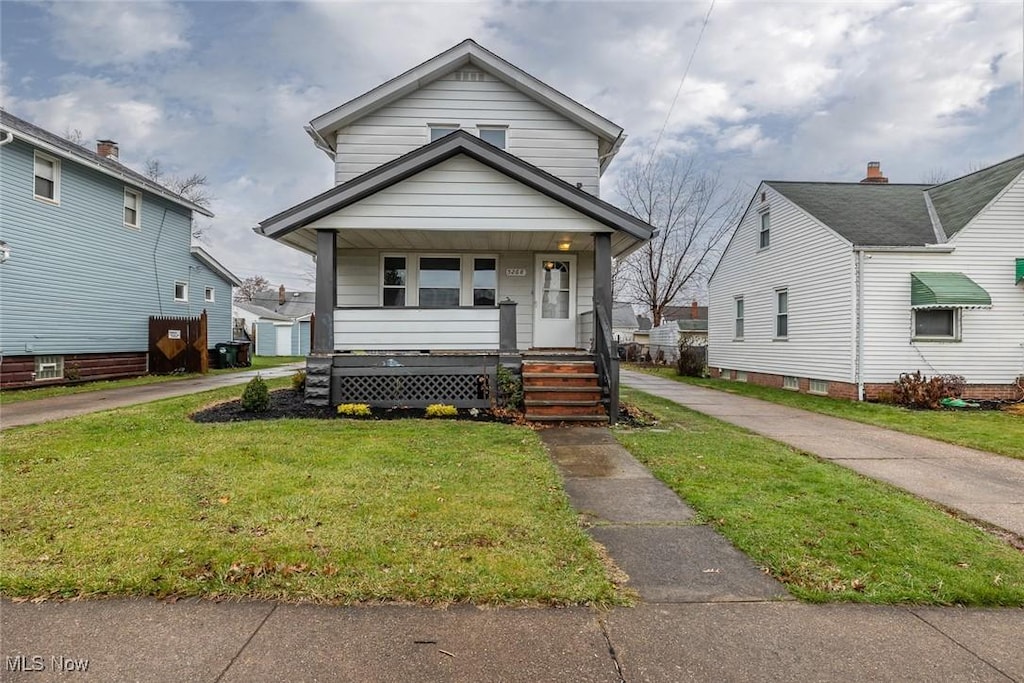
(554, 302)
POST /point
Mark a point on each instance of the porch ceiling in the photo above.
(458, 240)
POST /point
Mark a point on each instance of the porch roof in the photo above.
(457, 143)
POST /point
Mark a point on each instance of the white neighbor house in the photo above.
(837, 288)
(464, 231)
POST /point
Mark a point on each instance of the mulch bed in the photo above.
(288, 403)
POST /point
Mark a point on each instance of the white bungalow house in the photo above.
(838, 288)
(464, 231)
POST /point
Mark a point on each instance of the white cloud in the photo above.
(96, 33)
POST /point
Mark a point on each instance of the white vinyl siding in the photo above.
(398, 329)
(989, 350)
(815, 265)
(535, 133)
(359, 283)
(460, 194)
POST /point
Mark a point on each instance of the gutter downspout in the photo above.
(859, 315)
(7, 137)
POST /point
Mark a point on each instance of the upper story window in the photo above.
(181, 291)
(494, 135)
(764, 234)
(46, 170)
(438, 131)
(132, 206)
(208, 294)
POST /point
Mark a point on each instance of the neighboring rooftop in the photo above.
(22, 128)
(289, 304)
(623, 315)
(958, 201)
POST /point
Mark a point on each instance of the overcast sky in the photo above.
(786, 91)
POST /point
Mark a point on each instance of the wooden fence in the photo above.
(178, 344)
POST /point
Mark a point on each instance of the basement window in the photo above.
(790, 382)
(818, 386)
(741, 376)
(49, 367)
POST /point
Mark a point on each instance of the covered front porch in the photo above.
(449, 261)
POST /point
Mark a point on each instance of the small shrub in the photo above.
(299, 381)
(691, 357)
(72, 372)
(441, 410)
(510, 389)
(915, 390)
(256, 397)
(354, 410)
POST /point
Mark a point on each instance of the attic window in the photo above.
(469, 76)
(438, 131)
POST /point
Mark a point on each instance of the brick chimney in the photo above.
(693, 310)
(281, 296)
(107, 149)
(874, 175)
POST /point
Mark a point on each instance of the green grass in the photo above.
(16, 395)
(987, 430)
(828, 533)
(141, 501)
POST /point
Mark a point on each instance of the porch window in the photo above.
(395, 276)
(439, 281)
(485, 281)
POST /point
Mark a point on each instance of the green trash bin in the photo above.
(231, 351)
(226, 356)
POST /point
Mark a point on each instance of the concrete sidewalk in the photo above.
(981, 485)
(146, 640)
(60, 407)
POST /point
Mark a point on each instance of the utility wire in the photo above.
(682, 80)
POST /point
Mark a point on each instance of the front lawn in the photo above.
(15, 395)
(828, 533)
(141, 501)
(987, 430)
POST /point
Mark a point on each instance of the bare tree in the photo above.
(250, 286)
(692, 213)
(193, 187)
(73, 135)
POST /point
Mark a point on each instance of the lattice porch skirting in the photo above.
(415, 386)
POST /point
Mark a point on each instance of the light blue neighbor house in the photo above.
(89, 250)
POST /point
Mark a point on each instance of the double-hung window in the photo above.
(764, 234)
(395, 279)
(181, 291)
(739, 318)
(46, 177)
(132, 204)
(439, 130)
(495, 135)
(485, 281)
(781, 313)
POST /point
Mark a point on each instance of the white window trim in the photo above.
(957, 327)
(777, 336)
(138, 208)
(56, 360)
(450, 127)
(737, 318)
(412, 276)
(56, 178)
(408, 279)
(482, 127)
(184, 286)
(209, 295)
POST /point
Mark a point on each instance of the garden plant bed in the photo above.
(290, 404)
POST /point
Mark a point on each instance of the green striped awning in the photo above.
(946, 290)
(1020, 270)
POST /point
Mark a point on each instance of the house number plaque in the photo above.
(515, 272)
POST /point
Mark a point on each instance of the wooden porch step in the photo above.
(533, 417)
(562, 402)
(564, 393)
(560, 375)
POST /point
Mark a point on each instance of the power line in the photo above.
(682, 80)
